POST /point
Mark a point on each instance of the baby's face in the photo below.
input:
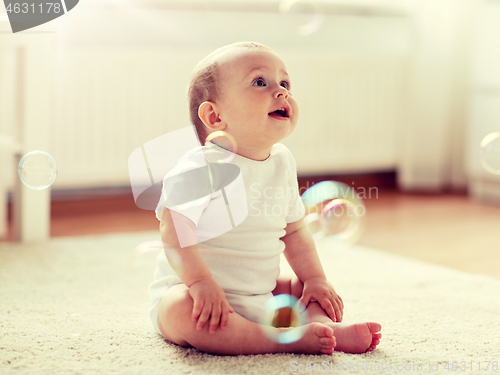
(256, 104)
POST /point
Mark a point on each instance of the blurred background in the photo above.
(394, 95)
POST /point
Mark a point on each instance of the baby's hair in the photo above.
(203, 83)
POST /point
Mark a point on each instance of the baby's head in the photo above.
(243, 89)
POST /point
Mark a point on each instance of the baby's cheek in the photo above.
(295, 106)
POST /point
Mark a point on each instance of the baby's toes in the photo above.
(374, 327)
(323, 331)
(373, 345)
(327, 341)
(376, 339)
(327, 348)
(327, 345)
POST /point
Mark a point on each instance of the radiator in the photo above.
(109, 102)
(351, 109)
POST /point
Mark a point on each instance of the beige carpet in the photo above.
(430, 315)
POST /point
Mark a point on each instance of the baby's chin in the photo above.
(284, 132)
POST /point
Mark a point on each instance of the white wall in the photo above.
(484, 103)
(429, 38)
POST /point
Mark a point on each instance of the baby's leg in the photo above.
(240, 336)
(350, 338)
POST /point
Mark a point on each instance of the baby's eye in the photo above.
(259, 80)
(285, 84)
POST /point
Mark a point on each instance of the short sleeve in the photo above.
(183, 191)
(295, 209)
(192, 210)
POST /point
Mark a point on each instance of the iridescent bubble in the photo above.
(490, 153)
(340, 217)
(37, 170)
(226, 141)
(75, 325)
(315, 226)
(308, 15)
(335, 210)
(282, 311)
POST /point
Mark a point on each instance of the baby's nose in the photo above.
(281, 92)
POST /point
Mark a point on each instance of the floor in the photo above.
(450, 230)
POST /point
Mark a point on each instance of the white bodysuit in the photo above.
(244, 261)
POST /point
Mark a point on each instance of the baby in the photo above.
(211, 293)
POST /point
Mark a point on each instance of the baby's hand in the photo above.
(209, 301)
(321, 290)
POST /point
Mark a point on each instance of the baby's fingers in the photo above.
(340, 304)
(204, 316)
(215, 318)
(226, 309)
(338, 310)
(327, 305)
(197, 308)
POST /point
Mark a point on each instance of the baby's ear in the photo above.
(209, 114)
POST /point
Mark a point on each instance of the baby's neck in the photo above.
(254, 154)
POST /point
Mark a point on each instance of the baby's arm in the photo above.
(300, 252)
(209, 300)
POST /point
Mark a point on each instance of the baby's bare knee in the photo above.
(176, 304)
(297, 287)
(175, 313)
(289, 284)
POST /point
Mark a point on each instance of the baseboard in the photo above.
(378, 180)
(485, 190)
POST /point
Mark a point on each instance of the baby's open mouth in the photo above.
(281, 112)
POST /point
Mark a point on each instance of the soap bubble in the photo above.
(284, 310)
(226, 141)
(490, 153)
(309, 16)
(37, 170)
(341, 218)
(335, 210)
(75, 325)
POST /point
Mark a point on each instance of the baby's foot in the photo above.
(356, 338)
(318, 339)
